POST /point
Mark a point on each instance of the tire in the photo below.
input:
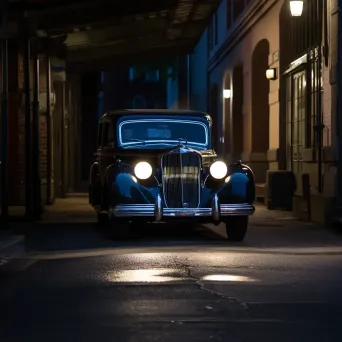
(236, 227)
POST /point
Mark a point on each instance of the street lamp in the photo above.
(271, 74)
(296, 8)
(226, 93)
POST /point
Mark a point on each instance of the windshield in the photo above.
(162, 131)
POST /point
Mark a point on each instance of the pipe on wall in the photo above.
(325, 30)
(339, 103)
(49, 199)
(4, 131)
(28, 135)
(37, 201)
(319, 127)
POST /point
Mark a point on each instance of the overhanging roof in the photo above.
(100, 33)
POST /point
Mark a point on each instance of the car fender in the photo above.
(125, 188)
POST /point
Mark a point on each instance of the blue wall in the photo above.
(199, 75)
(172, 93)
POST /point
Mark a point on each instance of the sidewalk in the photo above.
(10, 246)
(73, 209)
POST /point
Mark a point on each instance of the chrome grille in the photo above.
(181, 181)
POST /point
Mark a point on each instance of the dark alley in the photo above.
(170, 170)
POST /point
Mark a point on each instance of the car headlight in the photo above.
(143, 170)
(218, 169)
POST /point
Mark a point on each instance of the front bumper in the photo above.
(157, 211)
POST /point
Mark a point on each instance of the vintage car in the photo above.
(159, 165)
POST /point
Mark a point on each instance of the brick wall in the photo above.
(20, 198)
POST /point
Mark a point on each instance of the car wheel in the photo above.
(236, 227)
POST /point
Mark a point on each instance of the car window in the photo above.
(134, 131)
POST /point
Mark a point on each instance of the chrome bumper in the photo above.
(158, 212)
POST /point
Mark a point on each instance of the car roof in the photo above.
(185, 112)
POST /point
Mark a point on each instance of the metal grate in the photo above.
(181, 180)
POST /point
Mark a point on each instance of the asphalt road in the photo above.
(175, 283)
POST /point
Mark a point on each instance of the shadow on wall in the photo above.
(260, 93)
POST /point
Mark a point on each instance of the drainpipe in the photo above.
(4, 128)
(49, 131)
(339, 104)
(64, 154)
(28, 159)
(319, 127)
(35, 134)
(325, 30)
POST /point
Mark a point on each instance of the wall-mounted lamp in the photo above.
(296, 8)
(271, 74)
(227, 93)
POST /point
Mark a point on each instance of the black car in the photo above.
(159, 165)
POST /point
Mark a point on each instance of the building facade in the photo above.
(282, 121)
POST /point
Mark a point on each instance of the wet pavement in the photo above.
(174, 283)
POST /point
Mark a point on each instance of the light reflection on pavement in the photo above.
(175, 284)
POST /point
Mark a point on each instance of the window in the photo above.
(160, 131)
(213, 32)
(152, 76)
(210, 35)
(233, 10)
(131, 74)
(297, 119)
(316, 90)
